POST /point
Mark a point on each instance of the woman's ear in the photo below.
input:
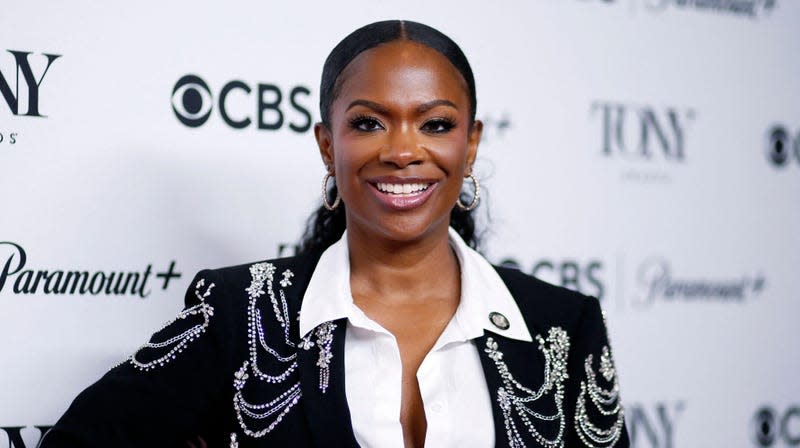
(473, 139)
(325, 144)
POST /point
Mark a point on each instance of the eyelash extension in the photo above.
(358, 120)
(446, 123)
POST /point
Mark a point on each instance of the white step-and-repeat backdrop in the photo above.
(643, 151)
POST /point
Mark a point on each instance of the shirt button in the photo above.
(436, 407)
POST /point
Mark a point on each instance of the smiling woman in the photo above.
(401, 117)
(388, 329)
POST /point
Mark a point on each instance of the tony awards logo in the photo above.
(21, 87)
(30, 82)
(646, 142)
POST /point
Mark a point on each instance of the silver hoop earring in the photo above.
(475, 199)
(325, 194)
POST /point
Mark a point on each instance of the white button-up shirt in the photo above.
(452, 385)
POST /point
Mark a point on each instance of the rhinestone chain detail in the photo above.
(280, 405)
(262, 276)
(262, 273)
(324, 334)
(606, 401)
(180, 341)
(514, 396)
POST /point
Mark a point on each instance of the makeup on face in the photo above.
(401, 139)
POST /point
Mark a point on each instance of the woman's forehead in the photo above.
(402, 70)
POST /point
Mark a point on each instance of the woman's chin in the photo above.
(407, 229)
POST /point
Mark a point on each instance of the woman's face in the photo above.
(400, 141)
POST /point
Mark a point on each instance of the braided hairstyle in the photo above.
(324, 226)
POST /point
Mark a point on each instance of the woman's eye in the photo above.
(438, 126)
(365, 124)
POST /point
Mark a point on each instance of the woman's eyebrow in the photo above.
(422, 108)
(377, 107)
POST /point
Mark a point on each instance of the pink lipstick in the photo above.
(402, 193)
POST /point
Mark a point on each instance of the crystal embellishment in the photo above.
(176, 344)
(267, 415)
(234, 441)
(324, 334)
(240, 377)
(607, 365)
(287, 274)
(516, 400)
(498, 320)
(606, 401)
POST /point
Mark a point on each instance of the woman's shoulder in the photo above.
(544, 305)
(575, 323)
(299, 265)
(295, 270)
(526, 284)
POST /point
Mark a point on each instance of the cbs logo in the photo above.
(771, 426)
(781, 146)
(585, 277)
(193, 103)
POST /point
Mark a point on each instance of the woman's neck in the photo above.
(403, 272)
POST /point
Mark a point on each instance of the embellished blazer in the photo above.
(233, 370)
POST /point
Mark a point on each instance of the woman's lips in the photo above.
(402, 201)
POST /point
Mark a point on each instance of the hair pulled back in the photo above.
(324, 226)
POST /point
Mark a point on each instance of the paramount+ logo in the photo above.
(656, 282)
(270, 107)
(69, 281)
(742, 8)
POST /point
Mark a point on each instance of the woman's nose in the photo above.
(402, 148)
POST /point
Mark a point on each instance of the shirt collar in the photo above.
(328, 296)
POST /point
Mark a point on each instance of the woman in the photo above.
(388, 329)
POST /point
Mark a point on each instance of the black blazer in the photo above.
(196, 376)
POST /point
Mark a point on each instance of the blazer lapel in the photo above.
(494, 383)
(324, 397)
(525, 362)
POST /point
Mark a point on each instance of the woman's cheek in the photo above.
(452, 156)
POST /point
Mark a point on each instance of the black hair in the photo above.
(324, 226)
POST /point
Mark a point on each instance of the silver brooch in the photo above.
(499, 321)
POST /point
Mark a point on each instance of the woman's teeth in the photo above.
(401, 188)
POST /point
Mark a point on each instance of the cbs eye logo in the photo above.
(771, 426)
(193, 103)
(782, 146)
